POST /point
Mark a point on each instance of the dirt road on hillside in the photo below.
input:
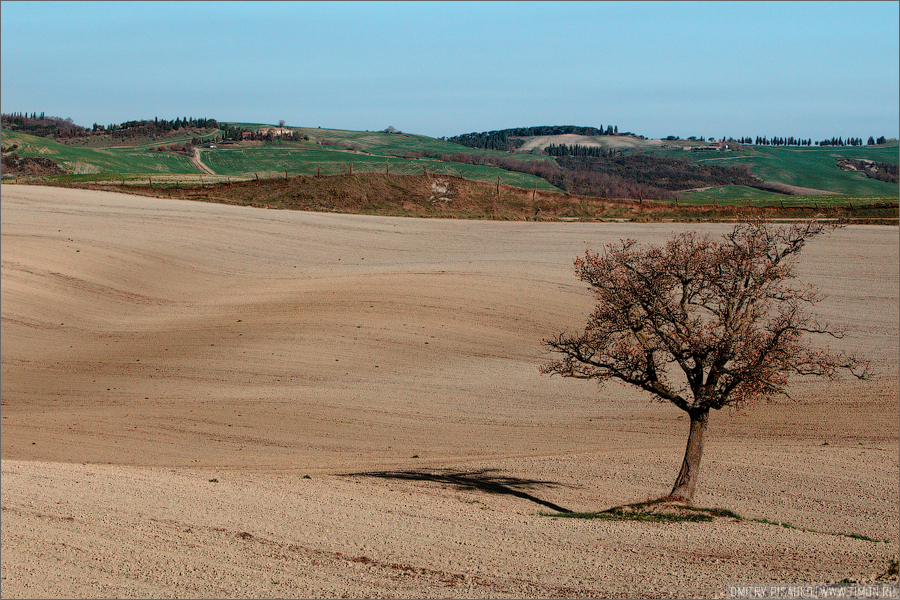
(198, 162)
(209, 400)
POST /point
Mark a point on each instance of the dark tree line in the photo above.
(792, 141)
(578, 150)
(41, 125)
(489, 140)
(237, 134)
(850, 141)
(155, 127)
(782, 141)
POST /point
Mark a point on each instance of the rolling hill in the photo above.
(525, 165)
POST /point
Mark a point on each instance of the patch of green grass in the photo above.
(718, 512)
(690, 514)
(634, 516)
(855, 536)
(738, 195)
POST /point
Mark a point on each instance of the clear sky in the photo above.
(807, 69)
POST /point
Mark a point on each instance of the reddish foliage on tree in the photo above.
(702, 323)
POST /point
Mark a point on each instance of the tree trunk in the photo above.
(690, 468)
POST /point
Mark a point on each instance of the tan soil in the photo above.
(152, 345)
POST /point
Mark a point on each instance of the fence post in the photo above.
(387, 167)
(150, 179)
(318, 171)
(285, 174)
(424, 171)
(351, 168)
(257, 178)
(498, 186)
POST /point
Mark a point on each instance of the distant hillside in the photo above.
(591, 161)
(536, 139)
(331, 152)
(813, 167)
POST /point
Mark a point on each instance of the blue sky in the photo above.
(808, 69)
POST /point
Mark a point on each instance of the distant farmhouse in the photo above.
(717, 146)
(275, 131)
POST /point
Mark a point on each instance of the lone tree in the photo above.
(702, 323)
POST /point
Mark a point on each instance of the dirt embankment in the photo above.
(793, 190)
(14, 165)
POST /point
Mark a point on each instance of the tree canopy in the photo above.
(702, 323)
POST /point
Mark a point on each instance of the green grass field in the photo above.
(738, 195)
(814, 167)
(307, 158)
(77, 160)
(310, 159)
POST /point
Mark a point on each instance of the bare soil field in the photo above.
(783, 188)
(206, 400)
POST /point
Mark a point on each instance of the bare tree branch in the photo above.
(721, 310)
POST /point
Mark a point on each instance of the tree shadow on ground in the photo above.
(485, 480)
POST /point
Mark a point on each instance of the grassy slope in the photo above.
(389, 143)
(814, 167)
(310, 159)
(96, 160)
(274, 159)
(738, 195)
(811, 167)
